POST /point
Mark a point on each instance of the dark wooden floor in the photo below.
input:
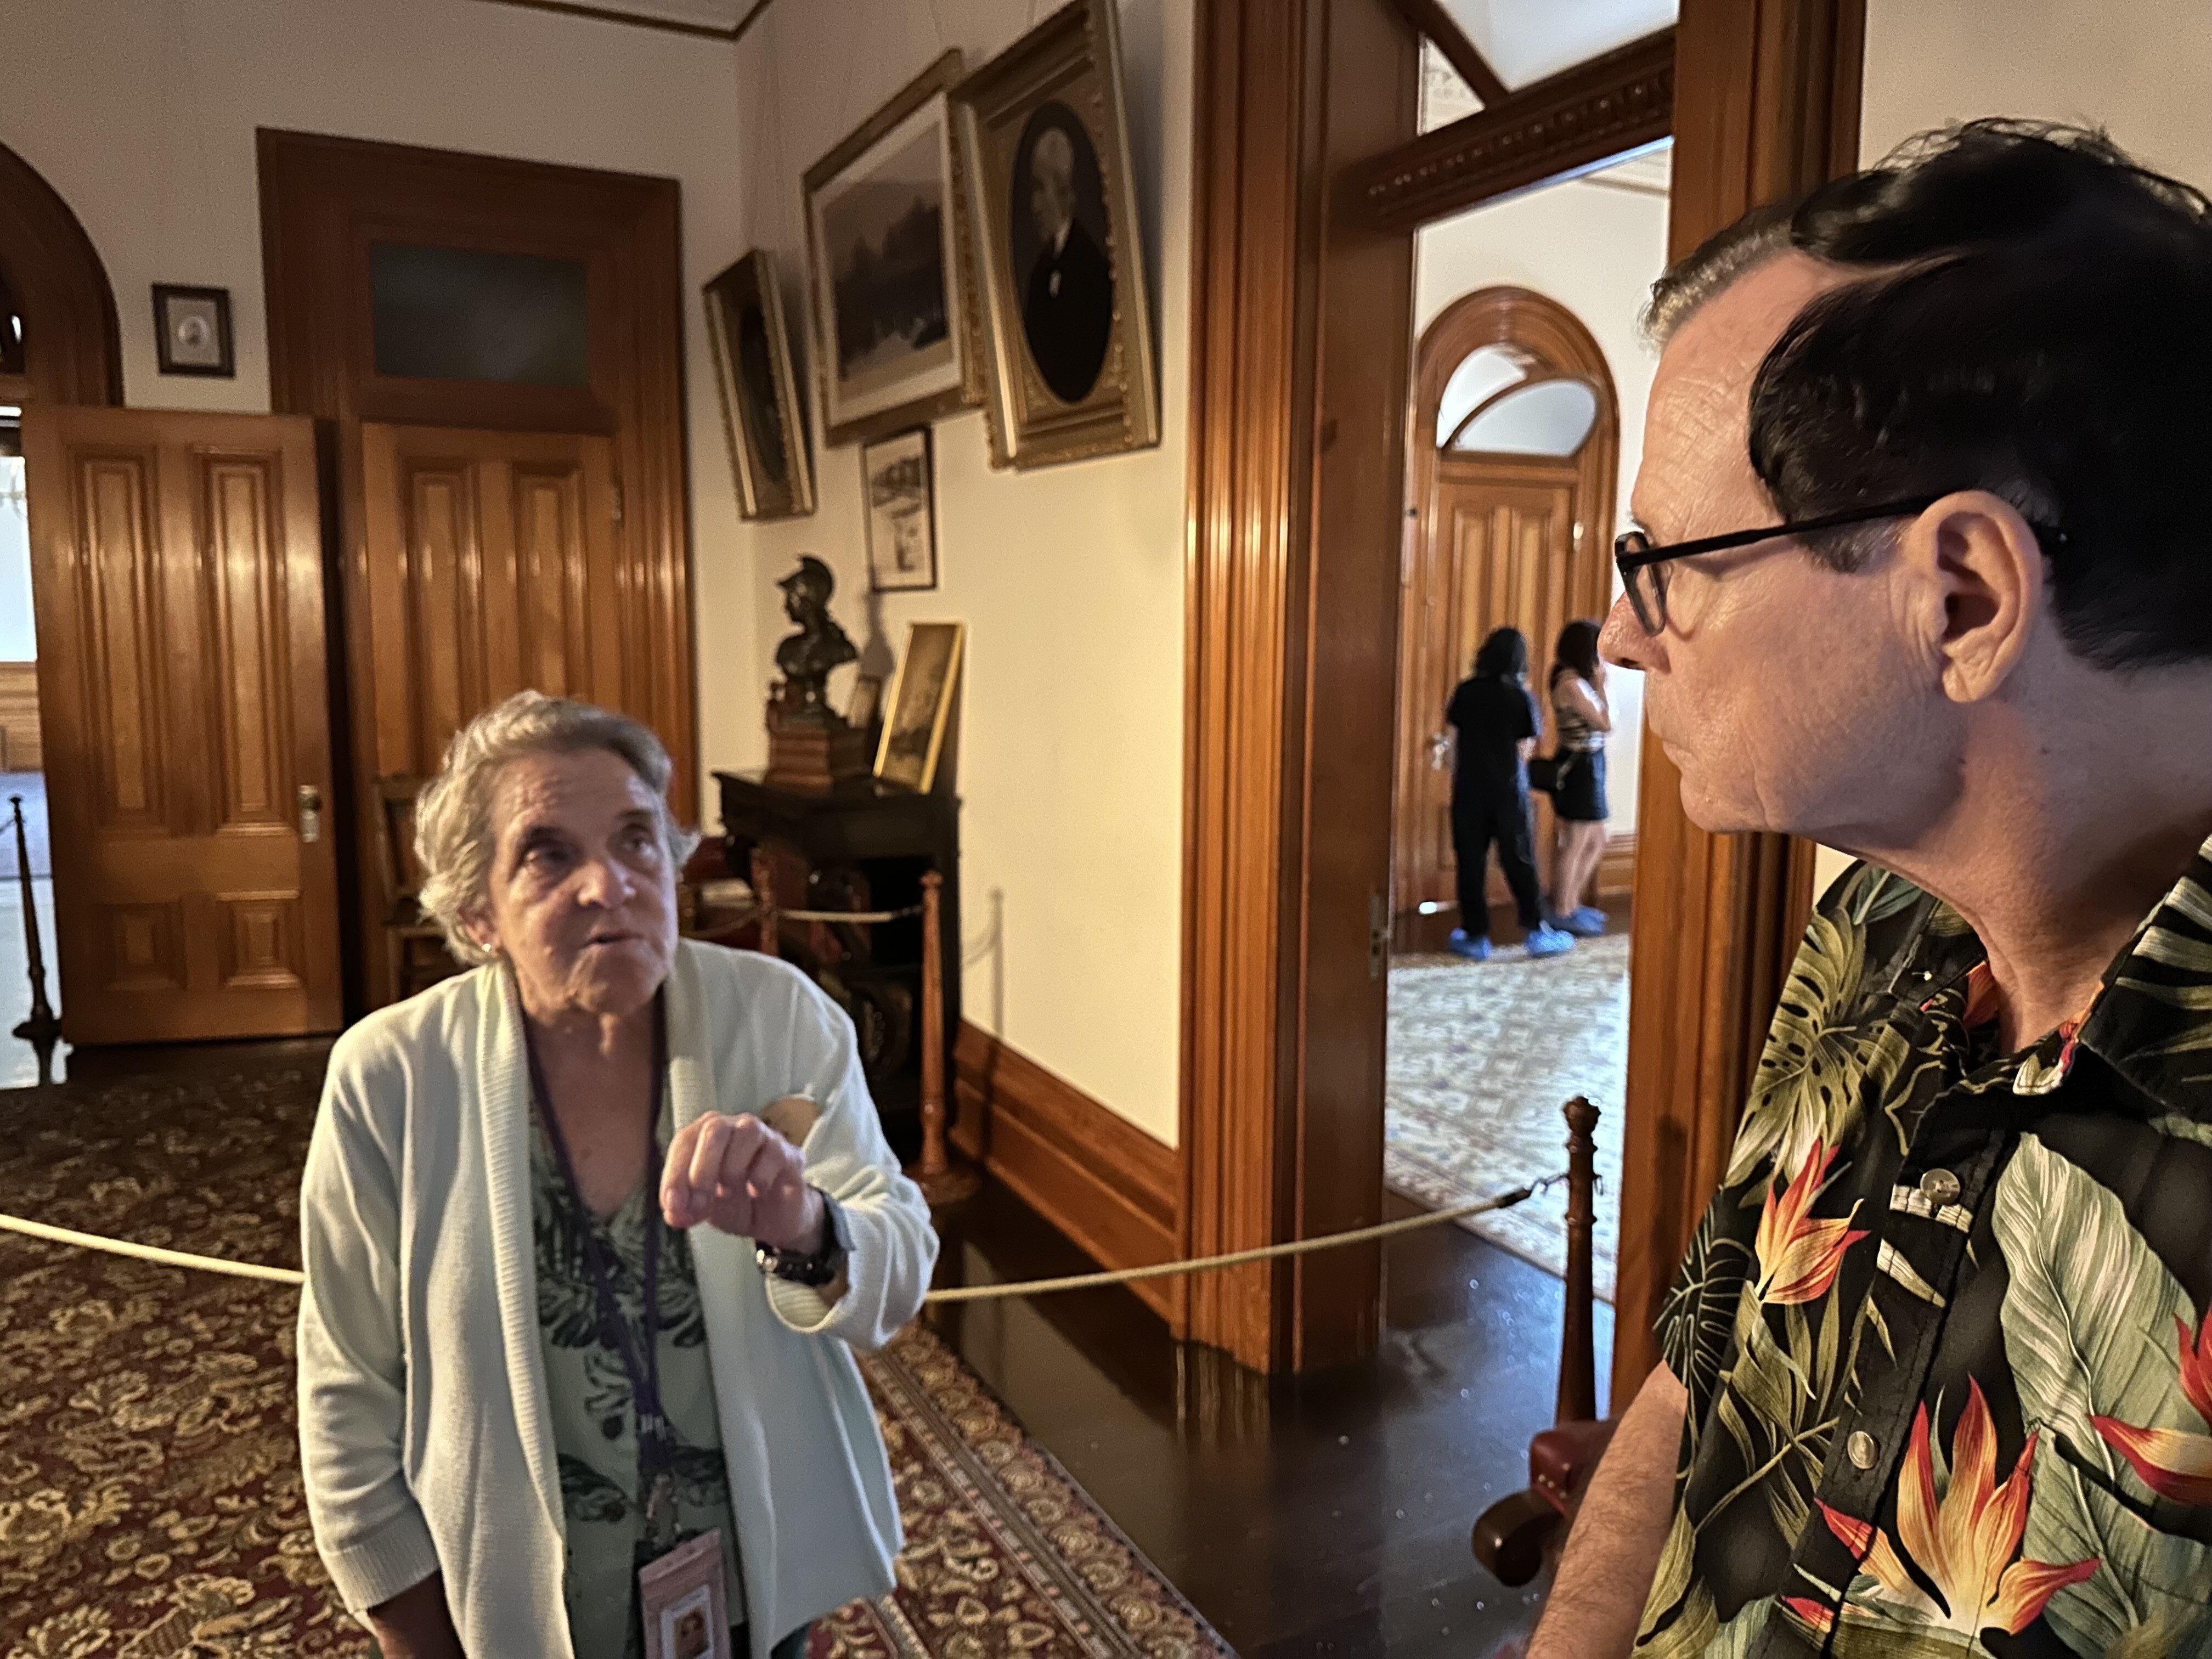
(1325, 1514)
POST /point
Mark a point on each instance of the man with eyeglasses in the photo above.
(1924, 574)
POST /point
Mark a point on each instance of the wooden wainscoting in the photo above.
(20, 749)
(1091, 1172)
(1616, 871)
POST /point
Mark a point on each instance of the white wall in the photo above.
(1070, 579)
(1595, 249)
(2140, 69)
(141, 113)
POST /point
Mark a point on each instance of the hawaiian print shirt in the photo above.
(1944, 1329)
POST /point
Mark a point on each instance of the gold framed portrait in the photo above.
(764, 416)
(895, 335)
(1044, 133)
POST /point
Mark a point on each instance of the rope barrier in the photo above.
(849, 915)
(960, 1294)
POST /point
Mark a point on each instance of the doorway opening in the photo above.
(1524, 422)
(26, 874)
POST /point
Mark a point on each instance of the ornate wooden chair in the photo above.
(407, 929)
(1518, 1536)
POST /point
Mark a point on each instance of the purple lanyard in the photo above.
(655, 1439)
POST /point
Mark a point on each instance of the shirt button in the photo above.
(1861, 1450)
(1939, 1187)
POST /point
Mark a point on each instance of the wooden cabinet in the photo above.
(864, 847)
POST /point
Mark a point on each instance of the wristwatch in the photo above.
(823, 1266)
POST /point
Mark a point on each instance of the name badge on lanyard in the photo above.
(681, 1597)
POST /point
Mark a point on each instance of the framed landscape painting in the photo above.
(894, 331)
(921, 706)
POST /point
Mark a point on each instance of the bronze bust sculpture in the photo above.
(820, 645)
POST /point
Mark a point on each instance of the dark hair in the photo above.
(2036, 320)
(1577, 651)
(1503, 655)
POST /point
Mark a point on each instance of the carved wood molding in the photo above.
(1766, 105)
(1098, 1177)
(72, 348)
(1292, 590)
(1573, 121)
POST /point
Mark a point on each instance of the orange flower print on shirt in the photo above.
(1798, 1257)
(2173, 1463)
(1963, 1543)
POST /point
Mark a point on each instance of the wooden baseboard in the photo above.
(1091, 1172)
(20, 744)
(1616, 871)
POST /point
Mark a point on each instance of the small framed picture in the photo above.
(762, 414)
(921, 706)
(902, 495)
(192, 330)
(685, 1603)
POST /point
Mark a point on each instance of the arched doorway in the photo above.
(1511, 460)
(62, 346)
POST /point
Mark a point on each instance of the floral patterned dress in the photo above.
(1944, 1329)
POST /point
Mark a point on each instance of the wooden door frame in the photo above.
(1308, 183)
(322, 199)
(72, 348)
(1504, 315)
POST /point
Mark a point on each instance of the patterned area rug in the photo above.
(1482, 1056)
(151, 1499)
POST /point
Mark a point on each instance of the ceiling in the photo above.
(1525, 41)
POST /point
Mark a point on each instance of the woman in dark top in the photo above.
(1583, 717)
(1494, 717)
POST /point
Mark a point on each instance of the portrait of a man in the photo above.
(756, 384)
(1059, 241)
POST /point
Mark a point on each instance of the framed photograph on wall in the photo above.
(901, 490)
(920, 705)
(192, 330)
(762, 414)
(1044, 139)
(894, 329)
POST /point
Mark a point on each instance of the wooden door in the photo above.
(177, 576)
(1495, 546)
(489, 562)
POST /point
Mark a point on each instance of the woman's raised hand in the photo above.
(738, 1174)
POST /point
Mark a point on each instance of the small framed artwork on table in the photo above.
(192, 330)
(921, 706)
(902, 495)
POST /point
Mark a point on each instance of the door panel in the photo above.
(1496, 545)
(490, 563)
(177, 574)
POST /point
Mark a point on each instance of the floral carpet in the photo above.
(1482, 1057)
(150, 1498)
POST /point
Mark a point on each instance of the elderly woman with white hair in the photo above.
(590, 1234)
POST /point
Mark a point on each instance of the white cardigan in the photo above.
(423, 1431)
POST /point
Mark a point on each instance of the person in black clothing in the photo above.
(1494, 720)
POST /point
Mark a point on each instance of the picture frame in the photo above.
(896, 340)
(1058, 251)
(192, 331)
(764, 416)
(921, 706)
(899, 492)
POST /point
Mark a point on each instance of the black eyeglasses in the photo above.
(1642, 567)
